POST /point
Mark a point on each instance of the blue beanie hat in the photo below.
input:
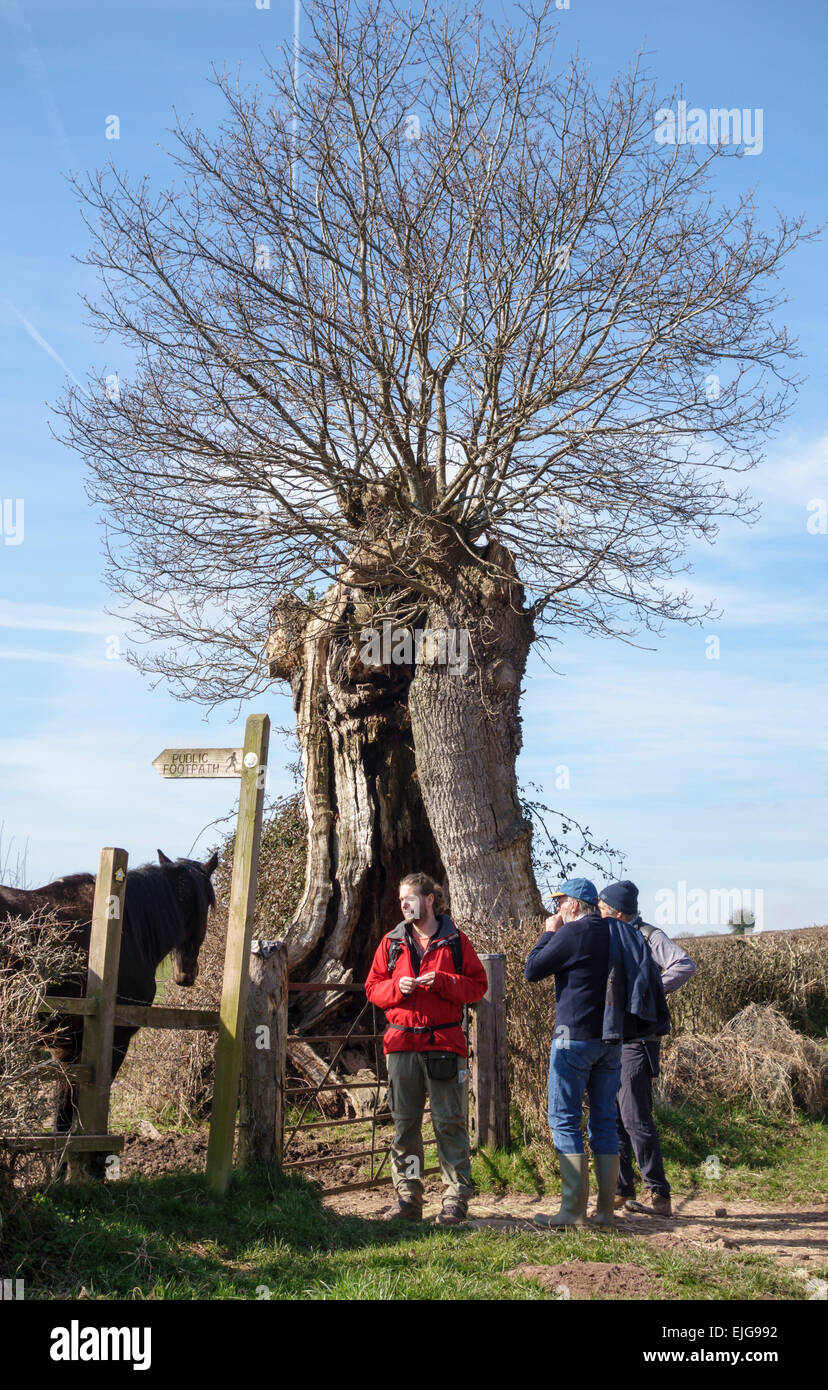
(623, 896)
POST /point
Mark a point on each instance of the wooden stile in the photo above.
(237, 953)
(487, 1051)
(261, 1132)
(101, 990)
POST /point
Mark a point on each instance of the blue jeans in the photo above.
(574, 1068)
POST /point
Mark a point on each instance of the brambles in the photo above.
(34, 952)
(787, 969)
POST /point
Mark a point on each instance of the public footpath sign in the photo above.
(199, 762)
(250, 765)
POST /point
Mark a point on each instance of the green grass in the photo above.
(167, 1238)
(760, 1157)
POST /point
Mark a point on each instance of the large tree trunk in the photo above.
(366, 822)
(467, 735)
(406, 766)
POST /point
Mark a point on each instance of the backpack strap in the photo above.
(454, 942)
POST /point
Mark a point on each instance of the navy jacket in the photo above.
(578, 956)
(635, 1003)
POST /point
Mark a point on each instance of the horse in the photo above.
(166, 906)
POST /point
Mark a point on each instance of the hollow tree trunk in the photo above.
(366, 822)
(467, 735)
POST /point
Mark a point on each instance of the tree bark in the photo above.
(407, 767)
(467, 735)
(366, 822)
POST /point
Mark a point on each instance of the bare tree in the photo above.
(440, 337)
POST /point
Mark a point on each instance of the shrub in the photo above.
(786, 969)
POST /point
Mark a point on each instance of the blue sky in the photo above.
(706, 772)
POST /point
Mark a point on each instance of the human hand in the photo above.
(407, 984)
(427, 979)
(554, 922)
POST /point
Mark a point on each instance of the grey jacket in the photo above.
(675, 965)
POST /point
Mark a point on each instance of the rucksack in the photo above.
(454, 942)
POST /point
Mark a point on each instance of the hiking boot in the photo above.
(574, 1194)
(453, 1212)
(651, 1204)
(621, 1202)
(406, 1209)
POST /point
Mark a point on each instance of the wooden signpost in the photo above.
(101, 988)
(250, 765)
(190, 763)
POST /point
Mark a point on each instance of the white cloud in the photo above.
(48, 617)
(32, 654)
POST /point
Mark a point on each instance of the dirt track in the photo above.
(791, 1235)
(795, 1237)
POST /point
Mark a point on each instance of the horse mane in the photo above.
(152, 919)
(153, 914)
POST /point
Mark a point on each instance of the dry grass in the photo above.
(757, 1058)
(786, 969)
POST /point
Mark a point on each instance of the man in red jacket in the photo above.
(423, 972)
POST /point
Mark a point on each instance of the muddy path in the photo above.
(791, 1235)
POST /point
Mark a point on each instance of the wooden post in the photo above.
(102, 988)
(237, 951)
(261, 1131)
(487, 1047)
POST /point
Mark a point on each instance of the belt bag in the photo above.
(441, 1066)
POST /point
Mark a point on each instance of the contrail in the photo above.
(30, 56)
(47, 347)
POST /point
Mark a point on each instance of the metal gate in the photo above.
(377, 1152)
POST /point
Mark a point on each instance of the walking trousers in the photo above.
(409, 1085)
(636, 1126)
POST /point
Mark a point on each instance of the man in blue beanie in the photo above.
(640, 1063)
(575, 948)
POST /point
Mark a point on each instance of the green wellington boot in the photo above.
(606, 1172)
(574, 1194)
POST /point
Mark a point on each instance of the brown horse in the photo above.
(165, 910)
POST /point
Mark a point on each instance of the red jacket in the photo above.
(437, 1008)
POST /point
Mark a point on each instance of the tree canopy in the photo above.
(436, 292)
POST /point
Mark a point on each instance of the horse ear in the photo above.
(211, 865)
(163, 858)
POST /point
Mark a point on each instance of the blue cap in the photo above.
(581, 888)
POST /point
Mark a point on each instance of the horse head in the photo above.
(190, 882)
